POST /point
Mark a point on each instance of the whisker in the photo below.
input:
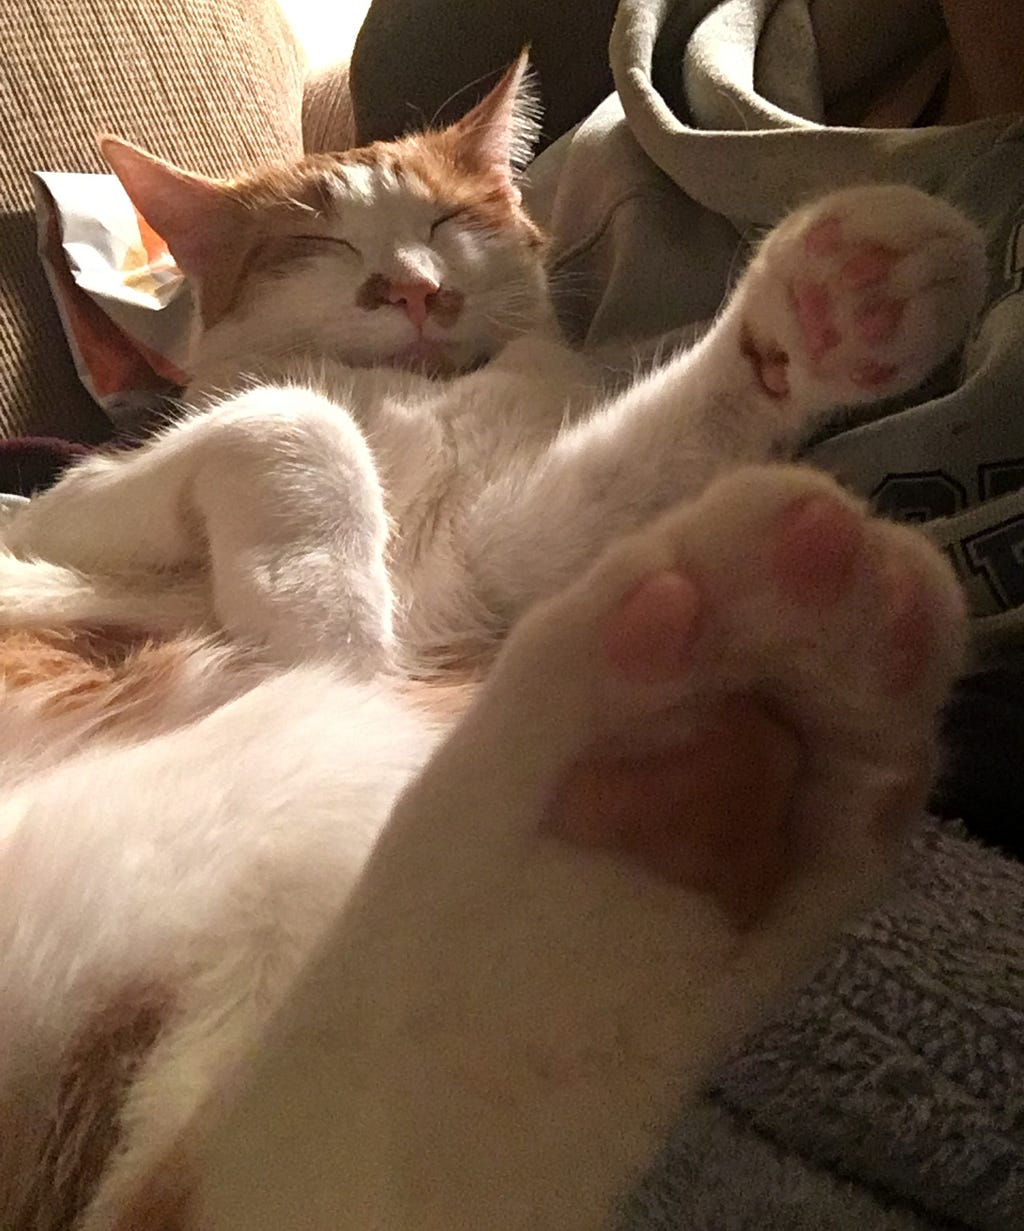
(431, 123)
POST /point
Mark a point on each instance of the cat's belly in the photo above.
(179, 884)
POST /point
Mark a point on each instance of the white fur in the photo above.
(482, 1026)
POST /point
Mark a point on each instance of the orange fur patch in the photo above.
(290, 190)
(113, 676)
(433, 160)
(84, 1129)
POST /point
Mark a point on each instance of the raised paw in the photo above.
(596, 933)
(859, 296)
(554, 991)
(774, 585)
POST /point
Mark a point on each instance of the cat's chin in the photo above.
(434, 359)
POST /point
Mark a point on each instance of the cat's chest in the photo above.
(490, 427)
(517, 404)
(439, 438)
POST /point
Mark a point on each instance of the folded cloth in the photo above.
(719, 1173)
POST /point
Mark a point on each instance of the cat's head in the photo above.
(415, 252)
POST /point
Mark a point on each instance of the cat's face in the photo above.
(413, 253)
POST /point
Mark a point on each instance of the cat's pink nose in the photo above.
(414, 297)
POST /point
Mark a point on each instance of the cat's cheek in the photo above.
(475, 255)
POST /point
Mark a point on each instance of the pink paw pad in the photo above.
(815, 312)
(869, 265)
(842, 308)
(816, 552)
(650, 636)
(911, 632)
(879, 319)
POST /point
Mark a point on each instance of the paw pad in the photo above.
(829, 308)
(879, 319)
(817, 549)
(650, 637)
(815, 311)
(869, 265)
(859, 297)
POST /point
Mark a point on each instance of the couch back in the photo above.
(215, 85)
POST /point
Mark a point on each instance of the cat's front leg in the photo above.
(514, 1009)
(851, 300)
(272, 496)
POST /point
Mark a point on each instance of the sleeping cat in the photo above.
(283, 944)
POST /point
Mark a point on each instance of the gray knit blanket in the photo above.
(888, 1095)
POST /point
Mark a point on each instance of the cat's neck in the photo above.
(238, 353)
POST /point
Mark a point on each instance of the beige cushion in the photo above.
(215, 85)
(327, 121)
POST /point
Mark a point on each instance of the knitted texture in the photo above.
(889, 1093)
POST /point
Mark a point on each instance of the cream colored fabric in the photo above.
(213, 84)
(328, 124)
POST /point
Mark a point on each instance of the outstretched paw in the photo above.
(565, 946)
(859, 296)
(774, 585)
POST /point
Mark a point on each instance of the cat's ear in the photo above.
(499, 134)
(202, 223)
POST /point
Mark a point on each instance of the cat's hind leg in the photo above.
(272, 497)
(516, 1006)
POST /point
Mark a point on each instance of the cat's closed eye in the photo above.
(326, 239)
(443, 218)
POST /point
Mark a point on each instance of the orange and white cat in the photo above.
(282, 948)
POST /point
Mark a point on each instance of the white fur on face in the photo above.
(391, 228)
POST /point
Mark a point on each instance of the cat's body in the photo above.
(487, 1025)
